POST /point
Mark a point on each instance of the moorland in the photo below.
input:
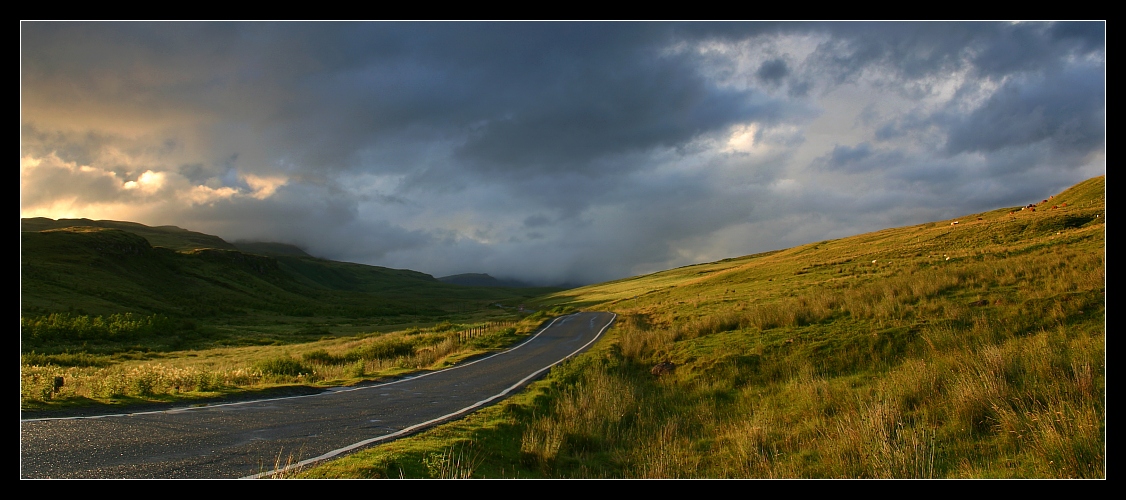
(965, 348)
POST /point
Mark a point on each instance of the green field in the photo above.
(967, 348)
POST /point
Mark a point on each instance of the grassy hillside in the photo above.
(971, 347)
(210, 294)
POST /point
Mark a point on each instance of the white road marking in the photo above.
(415, 427)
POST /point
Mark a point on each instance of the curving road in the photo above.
(250, 439)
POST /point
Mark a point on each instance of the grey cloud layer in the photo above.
(560, 151)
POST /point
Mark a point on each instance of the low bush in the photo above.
(282, 366)
(382, 348)
(115, 327)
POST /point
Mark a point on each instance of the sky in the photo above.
(553, 152)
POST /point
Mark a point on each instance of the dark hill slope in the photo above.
(103, 271)
(95, 269)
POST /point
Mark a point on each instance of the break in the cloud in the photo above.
(553, 151)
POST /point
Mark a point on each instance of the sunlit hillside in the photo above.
(970, 347)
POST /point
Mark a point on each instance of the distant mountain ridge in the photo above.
(172, 237)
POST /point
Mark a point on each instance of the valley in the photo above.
(964, 348)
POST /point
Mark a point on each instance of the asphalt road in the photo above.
(249, 439)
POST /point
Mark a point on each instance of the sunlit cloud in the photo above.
(51, 187)
(149, 182)
(742, 138)
(203, 195)
(263, 187)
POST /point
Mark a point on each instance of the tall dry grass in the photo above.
(973, 370)
(42, 380)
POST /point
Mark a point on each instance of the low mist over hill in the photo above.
(481, 279)
(274, 249)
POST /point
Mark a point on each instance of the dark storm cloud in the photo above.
(586, 119)
(916, 50)
(1028, 46)
(842, 155)
(536, 220)
(556, 151)
(197, 173)
(545, 96)
(1065, 109)
(1089, 36)
(861, 158)
(773, 71)
(912, 50)
(509, 96)
(889, 130)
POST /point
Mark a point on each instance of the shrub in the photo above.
(322, 357)
(64, 326)
(381, 349)
(80, 359)
(284, 366)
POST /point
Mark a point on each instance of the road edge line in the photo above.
(448, 416)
